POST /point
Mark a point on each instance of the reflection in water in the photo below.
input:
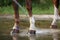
(55, 36)
(41, 35)
(8, 23)
(32, 37)
(15, 38)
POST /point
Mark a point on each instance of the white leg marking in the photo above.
(55, 16)
(32, 23)
(15, 26)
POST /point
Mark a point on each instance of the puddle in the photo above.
(41, 34)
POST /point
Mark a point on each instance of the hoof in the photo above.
(15, 31)
(53, 26)
(32, 31)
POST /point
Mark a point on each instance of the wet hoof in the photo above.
(32, 31)
(15, 31)
(53, 26)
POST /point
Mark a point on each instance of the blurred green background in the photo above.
(38, 7)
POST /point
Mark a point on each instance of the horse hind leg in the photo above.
(56, 14)
(31, 18)
(54, 22)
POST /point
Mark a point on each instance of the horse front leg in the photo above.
(15, 29)
(16, 18)
(56, 14)
(31, 18)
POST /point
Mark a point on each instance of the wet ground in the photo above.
(7, 24)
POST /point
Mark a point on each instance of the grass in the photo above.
(6, 10)
(35, 10)
(39, 10)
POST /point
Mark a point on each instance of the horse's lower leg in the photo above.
(56, 6)
(16, 14)
(31, 18)
(15, 30)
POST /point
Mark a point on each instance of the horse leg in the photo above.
(31, 18)
(15, 30)
(16, 17)
(56, 6)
